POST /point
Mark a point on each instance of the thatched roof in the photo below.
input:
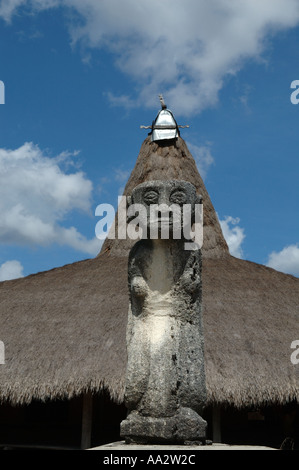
(64, 329)
(163, 161)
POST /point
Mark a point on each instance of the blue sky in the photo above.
(81, 77)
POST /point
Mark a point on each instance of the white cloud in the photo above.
(233, 234)
(121, 175)
(121, 101)
(202, 156)
(11, 270)
(286, 260)
(183, 49)
(35, 197)
(7, 8)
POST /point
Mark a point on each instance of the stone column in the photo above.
(165, 384)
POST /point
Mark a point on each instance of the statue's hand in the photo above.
(139, 287)
(190, 280)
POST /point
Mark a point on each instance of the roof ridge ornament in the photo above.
(165, 125)
(163, 105)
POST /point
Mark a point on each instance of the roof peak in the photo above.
(171, 160)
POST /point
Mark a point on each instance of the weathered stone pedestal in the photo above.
(185, 427)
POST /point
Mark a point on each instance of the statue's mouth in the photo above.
(165, 220)
(162, 222)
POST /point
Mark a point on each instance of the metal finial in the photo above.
(163, 105)
(164, 126)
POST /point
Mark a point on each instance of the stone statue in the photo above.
(165, 384)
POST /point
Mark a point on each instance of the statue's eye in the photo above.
(178, 197)
(151, 197)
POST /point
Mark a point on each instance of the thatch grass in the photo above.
(250, 319)
(165, 161)
(59, 330)
(64, 330)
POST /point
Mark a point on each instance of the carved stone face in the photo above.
(164, 203)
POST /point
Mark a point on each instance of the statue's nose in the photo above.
(164, 197)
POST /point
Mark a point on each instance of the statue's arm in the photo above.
(190, 280)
